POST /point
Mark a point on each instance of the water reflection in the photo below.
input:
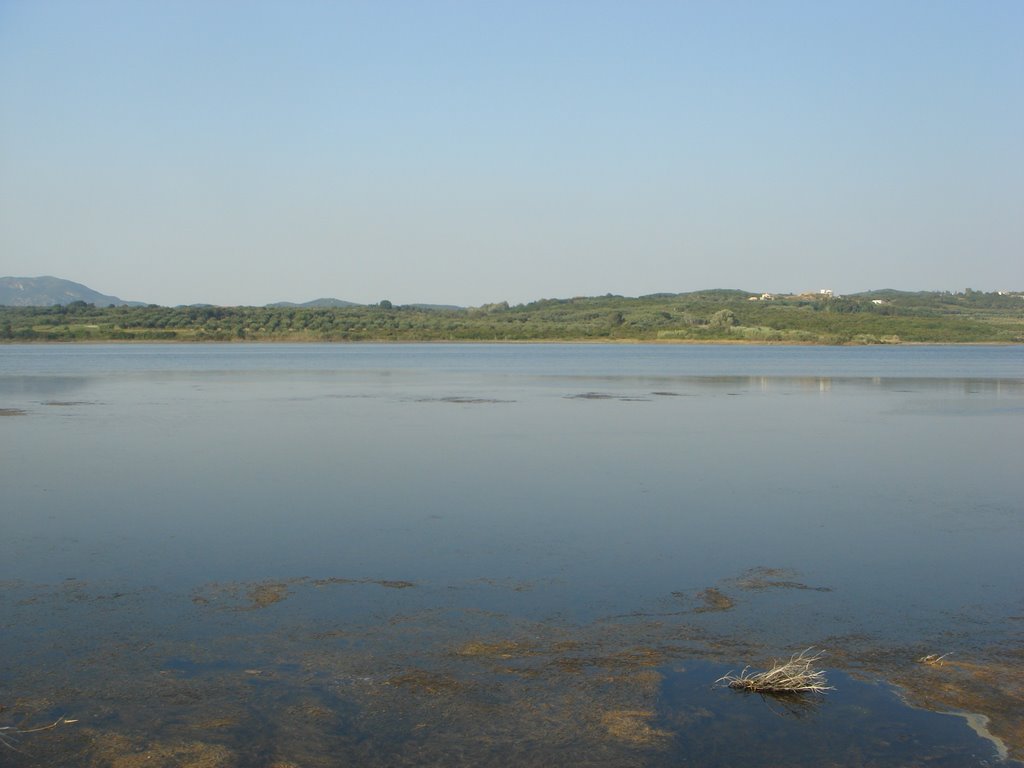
(272, 561)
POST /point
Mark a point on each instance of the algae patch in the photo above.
(430, 683)
(464, 400)
(762, 578)
(502, 649)
(241, 596)
(263, 595)
(633, 726)
(118, 751)
(386, 583)
(713, 599)
(251, 596)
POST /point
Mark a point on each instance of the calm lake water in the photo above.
(320, 555)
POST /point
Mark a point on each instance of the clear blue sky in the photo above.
(457, 152)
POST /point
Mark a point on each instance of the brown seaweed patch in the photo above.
(633, 726)
(501, 649)
(263, 595)
(12, 412)
(430, 683)
(459, 400)
(332, 581)
(250, 597)
(243, 597)
(386, 583)
(217, 722)
(630, 658)
(329, 634)
(710, 600)
(714, 600)
(511, 584)
(118, 751)
(392, 583)
(762, 578)
(66, 403)
(565, 646)
(311, 710)
(647, 681)
(194, 754)
(606, 396)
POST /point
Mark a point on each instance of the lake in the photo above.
(326, 555)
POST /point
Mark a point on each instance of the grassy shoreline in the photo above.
(503, 342)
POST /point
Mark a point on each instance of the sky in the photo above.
(236, 152)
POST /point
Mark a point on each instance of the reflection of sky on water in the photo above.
(901, 493)
(535, 359)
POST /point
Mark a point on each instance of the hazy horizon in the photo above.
(329, 297)
(241, 154)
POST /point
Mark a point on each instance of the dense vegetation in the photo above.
(719, 315)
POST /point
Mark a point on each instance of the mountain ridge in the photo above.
(46, 291)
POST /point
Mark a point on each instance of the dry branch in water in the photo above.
(9, 733)
(793, 676)
(933, 659)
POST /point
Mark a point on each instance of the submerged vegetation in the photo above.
(878, 317)
(415, 683)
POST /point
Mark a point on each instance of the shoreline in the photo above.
(501, 342)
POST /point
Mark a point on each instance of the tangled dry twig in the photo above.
(9, 733)
(793, 676)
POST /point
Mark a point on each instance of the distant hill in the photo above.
(47, 291)
(314, 304)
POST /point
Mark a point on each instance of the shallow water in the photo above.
(395, 554)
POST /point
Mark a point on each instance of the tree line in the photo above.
(722, 315)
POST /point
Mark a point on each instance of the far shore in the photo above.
(480, 342)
